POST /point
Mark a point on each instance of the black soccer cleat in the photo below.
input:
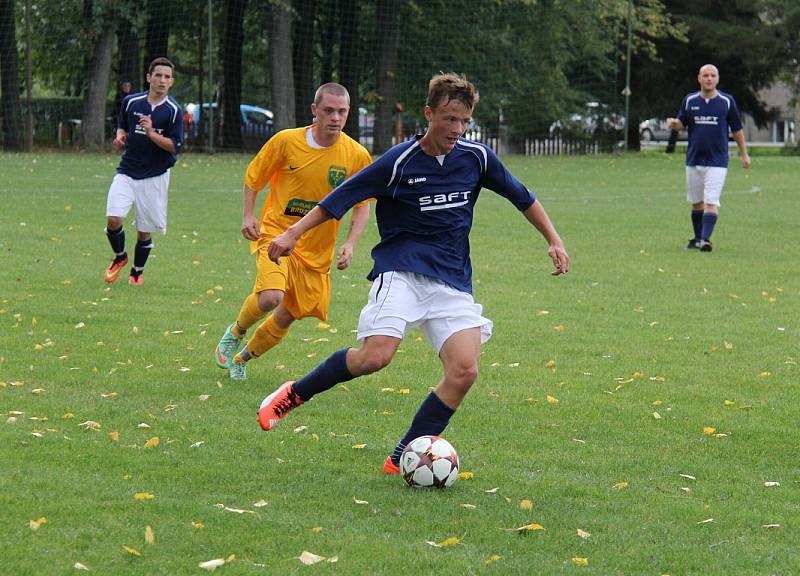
(694, 244)
(705, 246)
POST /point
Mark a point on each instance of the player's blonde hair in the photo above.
(333, 89)
(444, 87)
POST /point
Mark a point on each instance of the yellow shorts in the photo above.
(306, 292)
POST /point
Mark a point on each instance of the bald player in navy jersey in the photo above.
(150, 131)
(426, 190)
(708, 115)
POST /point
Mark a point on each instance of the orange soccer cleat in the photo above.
(277, 405)
(390, 467)
(113, 270)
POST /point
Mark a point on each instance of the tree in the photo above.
(734, 36)
(231, 93)
(303, 58)
(100, 19)
(281, 59)
(388, 17)
(160, 16)
(128, 67)
(350, 62)
(9, 77)
(784, 16)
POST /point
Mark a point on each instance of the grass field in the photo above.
(637, 409)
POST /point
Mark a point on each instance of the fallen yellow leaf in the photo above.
(620, 485)
(152, 442)
(38, 523)
(526, 504)
(552, 400)
(309, 558)
(143, 496)
(452, 541)
(492, 558)
(133, 551)
(580, 561)
(149, 535)
(709, 430)
(465, 475)
(528, 528)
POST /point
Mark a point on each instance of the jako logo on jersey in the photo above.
(442, 201)
(412, 181)
(336, 175)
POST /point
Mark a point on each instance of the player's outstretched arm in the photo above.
(537, 216)
(358, 222)
(284, 244)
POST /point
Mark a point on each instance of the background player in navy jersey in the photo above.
(150, 131)
(426, 190)
(708, 114)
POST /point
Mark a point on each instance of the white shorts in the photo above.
(401, 300)
(704, 184)
(148, 195)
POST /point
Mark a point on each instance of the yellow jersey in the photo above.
(299, 176)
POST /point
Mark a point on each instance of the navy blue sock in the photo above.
(709, 220)
(117, 240)
(431, 418)
(325, 376)
(697, 223)
(140, 255)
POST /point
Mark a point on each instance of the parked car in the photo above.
(596, 117)
(656, 129)
(256, 121)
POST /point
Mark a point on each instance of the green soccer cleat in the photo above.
(226, 348)
(238, 370)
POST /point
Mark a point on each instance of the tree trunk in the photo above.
(388, 26)
(128, 54)
(9, 77)
(159, 22)
(328, 26)
(303, 57)
(93, 116)
(282, 77)
(231, 94)
(349, 63)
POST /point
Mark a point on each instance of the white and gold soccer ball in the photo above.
(429, 462)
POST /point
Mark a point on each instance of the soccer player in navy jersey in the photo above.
(150, 131)
(426, 190)
(708, 114)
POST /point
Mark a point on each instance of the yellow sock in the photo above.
(266, 336)
(250, 313)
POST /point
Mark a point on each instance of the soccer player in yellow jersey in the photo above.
(301, 166)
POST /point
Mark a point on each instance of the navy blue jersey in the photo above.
(708, 122)
(425, 204)
(142, 158)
